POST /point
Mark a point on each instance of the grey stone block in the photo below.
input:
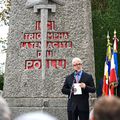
(23, 87)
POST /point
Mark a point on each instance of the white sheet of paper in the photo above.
(78, 89)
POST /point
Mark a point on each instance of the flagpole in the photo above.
(115, 49)
(109, 55)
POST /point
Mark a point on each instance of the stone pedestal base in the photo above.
(53, 106)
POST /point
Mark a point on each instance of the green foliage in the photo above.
(4, 13)
(1, 81)
(99, 4)
(3, 44)
(106, 17)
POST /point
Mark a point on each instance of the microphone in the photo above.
(71, 90)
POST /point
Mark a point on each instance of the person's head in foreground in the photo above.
(107, 108)
(35, 116)
(5, 113)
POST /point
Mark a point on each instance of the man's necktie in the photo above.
(77, 78)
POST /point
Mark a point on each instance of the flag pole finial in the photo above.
(108, 37)
(108, 47)
(115, 33)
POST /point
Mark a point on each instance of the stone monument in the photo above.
(37, 64)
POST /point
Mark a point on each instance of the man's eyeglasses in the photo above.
(77, 64)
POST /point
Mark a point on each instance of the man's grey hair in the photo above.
(36, 116)
(76, 59)
(4, 109)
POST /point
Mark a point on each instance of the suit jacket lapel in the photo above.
(82, 76)
(72, 77)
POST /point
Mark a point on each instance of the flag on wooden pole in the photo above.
(113, 77)
(105, 88)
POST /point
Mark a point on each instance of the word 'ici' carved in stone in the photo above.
(50, 35)
(37, 64)
(50, 25)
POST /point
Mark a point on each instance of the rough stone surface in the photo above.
(24, 89)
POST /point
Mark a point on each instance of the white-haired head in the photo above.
(36, 116)
(4, 110)
(77, 64)
(76, 59)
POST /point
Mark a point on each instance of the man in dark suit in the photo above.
(78, 104)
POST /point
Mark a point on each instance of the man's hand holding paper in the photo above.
(77, 89)
(82, 85)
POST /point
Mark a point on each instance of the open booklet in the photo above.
(77, 89)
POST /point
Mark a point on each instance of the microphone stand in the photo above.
(71, 89)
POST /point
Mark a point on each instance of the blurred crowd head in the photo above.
(5, 113)
(107, 108)
(36, 116)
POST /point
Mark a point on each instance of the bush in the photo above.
(105, 17)
(1, 81)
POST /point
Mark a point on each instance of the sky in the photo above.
(3, 34)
